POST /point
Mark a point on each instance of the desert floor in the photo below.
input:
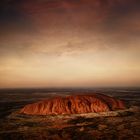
(119, 125)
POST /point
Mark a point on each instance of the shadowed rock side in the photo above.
(73, 105)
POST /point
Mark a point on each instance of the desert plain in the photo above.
(117, 125)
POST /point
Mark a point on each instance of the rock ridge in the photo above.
(74, 104)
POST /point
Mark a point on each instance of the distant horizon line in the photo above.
(8, 88)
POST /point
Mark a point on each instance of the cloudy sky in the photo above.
(69, 43)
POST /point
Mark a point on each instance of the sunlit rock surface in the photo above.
(74, 105)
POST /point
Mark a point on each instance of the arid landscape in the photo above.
(119, 125)
(69, 70)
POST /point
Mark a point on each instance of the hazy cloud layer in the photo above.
(101, 37)
(27, 22)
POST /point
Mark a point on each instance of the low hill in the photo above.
(74, 104)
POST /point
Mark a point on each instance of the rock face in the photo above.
(73, 105)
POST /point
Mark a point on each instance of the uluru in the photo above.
(74, 104)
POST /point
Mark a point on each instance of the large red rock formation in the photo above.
(73, 105)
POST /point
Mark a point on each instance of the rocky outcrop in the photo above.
(73, 105)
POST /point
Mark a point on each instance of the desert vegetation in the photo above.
(120, 124)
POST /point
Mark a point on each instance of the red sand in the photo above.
(73, 105)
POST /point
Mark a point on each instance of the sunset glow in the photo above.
(67, 43)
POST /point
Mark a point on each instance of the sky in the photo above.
(69, 43)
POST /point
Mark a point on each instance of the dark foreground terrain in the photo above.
(119, 125)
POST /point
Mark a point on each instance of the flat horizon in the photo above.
(99, 87)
